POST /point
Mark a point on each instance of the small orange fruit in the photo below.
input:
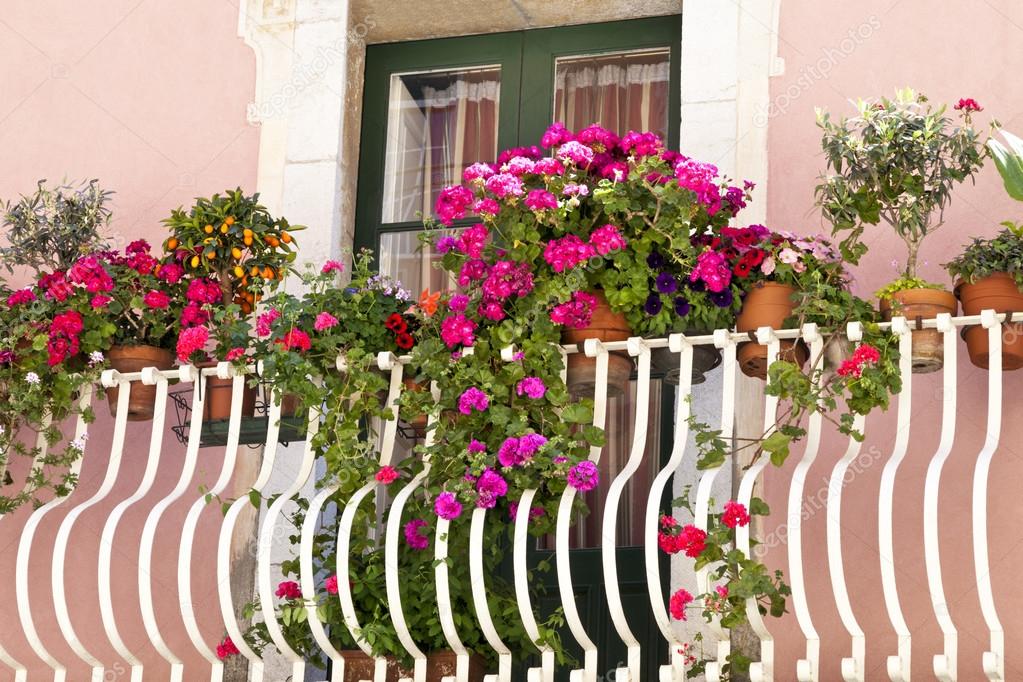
(239, 272)
(229, 220)
(254, 271)
(272, 241)
(248, 241)
(195, 261)
(237, 253)
(223, 228)
(208, 229)
(211, 255)
(285, 237)
(247, 233)
(172, 244)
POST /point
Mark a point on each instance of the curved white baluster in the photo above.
(994, 659)
(701, 511)
(264, 582)
(609, 529)
(224, 370)
(853, 668)
(21, 572)
(477, 576)
(898, 666)
(110, 379)
(675, 670)
(520, 565)
(308, 576)
(234, 630)
(563, 559)
(807, 669)
(388, 363)
(444, 610)
(187, 374)
(150, 376)
(945, 664)
(762, 670)
(391, 574)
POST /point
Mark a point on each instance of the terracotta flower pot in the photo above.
(440, 664)
(218, 398)
(705, 358)
(142, 398)
(768, 304)
(605, 325)
(928, 347)
(997, 292)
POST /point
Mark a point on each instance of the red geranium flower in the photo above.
(404, 341)
(396, 323)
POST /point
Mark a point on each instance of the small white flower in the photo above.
(96, 358)
(32, 378)
(78, 444)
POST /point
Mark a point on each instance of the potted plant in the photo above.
(232, 240)
(898, 160)
(774, 267)
(52, 228)
(583, 222)
(144, 303)
(989, 272)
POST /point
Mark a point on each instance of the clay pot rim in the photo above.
(1001, 274)
(922, 292)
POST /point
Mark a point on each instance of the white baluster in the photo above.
(21, 571)
(388, 363)
(391, 574)
(562, 555)
(807, 669)
(186, 374)
(701, 511)
(477, 575)
(520, 564)
(110, 379)
(674, 671)
(762, 670)
(945, 665)
(609, 531)
(853, 667)
(898, 666)
(223, 370)
(310, 526)
(993, 660)
(264, 582)
(150, 376)
(227, 610)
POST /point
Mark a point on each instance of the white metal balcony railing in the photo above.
(945, 664)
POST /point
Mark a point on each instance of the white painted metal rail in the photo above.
(87, 640)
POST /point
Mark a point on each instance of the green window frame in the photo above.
(527, 61)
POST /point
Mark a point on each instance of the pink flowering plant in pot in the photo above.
(603, 225)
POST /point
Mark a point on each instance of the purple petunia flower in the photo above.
(681, 306)
(653, 304)
(666, 283)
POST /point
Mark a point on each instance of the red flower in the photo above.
(404, 341)
(678, 603)
(295, 339)
(289, 589)
(396, 323)
(387, 475)
(226, 649)
(157, 299)
(735, 515)
(968, 105)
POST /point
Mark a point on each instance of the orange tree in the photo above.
(232, 239)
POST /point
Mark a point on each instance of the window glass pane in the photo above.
(411, 263)
(621, 91)
(438, 123)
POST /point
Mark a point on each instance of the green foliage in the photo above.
(888, 291)
(1009, 161)
(985, 257)
(53, 227)
(898, 160)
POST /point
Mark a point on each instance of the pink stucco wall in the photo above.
(834, 52)
(150, 98)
